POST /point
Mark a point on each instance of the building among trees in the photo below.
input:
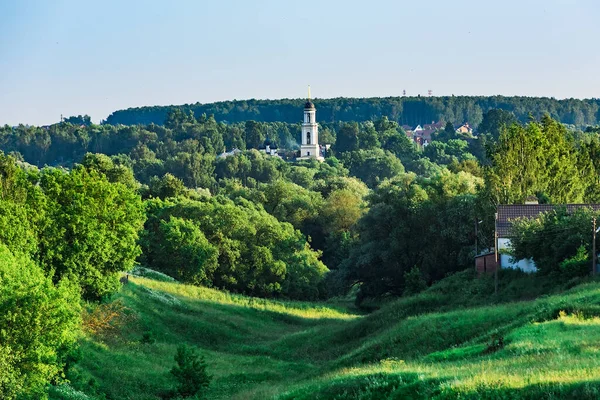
(507, 215)
(310, 133)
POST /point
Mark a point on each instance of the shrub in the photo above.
(148, 338)
(578, 265)
(190, 372)
(414, 282)
(39, 324)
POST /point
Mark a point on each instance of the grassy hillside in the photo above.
(451, 341)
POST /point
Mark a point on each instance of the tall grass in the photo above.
(433, 345)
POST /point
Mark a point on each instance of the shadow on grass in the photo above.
(383, 386)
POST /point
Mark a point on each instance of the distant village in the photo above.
(422, 135)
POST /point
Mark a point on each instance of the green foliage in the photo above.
(91, 231)
(256, 253)
(414, 282)
(540, 158)
(557, 241)
(495, 121)
(578, 265)
(404, 110)
(185, 253)
(39, 323)
(373, 166)
(414, 221)
(423, 346)
(190, 372)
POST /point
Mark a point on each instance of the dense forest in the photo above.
(404, 110)
(382, 216)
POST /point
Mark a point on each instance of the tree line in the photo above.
(404, 110)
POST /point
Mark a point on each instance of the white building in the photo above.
(507, 214)
(310, 133)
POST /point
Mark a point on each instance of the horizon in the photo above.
(72, 59)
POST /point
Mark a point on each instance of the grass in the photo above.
(437, 344)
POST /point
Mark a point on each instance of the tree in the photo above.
(165, 187)
(347, 138)
(538, 159)
(373, 166)
(448, 133)
(183, 252)
(495, 121)
(413, 222)
(368, 137)
(39, 325)
(91, 231)
(257, 254)
(255, 135)
(553, 238)
(79, 120)
(190, 372)
(116, 173)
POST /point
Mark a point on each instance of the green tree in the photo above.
(190, 372)
(373, 166)
(180, 249)
(495, 121)
(347, 138)
(553, 238)
(39, 325)
(92, 229)
(255, 135)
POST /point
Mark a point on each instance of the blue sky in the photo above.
(93, 57)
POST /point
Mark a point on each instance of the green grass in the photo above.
(433, 345)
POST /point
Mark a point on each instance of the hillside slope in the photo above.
(426, 346)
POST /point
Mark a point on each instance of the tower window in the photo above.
(307, 137)
(308, 118)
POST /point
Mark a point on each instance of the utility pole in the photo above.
(496, 253)
(477, 222)
(594, 246)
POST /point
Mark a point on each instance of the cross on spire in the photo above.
(308, 92)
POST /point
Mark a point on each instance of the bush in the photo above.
(39, 324)
(578, 265)
(190, 372)
(414, 282)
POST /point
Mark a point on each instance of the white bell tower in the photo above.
(310, 133)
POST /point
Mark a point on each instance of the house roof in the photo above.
(436, 125)
(425, 134)
(509, 213)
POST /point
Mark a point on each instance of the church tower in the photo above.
(310, 133)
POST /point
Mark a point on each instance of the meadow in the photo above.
(442, 343)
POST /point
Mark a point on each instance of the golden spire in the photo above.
(308, 92)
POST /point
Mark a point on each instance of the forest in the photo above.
(405, 110)
(381, 217)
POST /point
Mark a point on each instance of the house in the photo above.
(464, 129)
(435, 126)
(226, 154)
(423, 137)
(268, 147)
(507, 214)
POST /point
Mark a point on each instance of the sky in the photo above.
(93, 57)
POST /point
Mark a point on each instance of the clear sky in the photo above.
(93, 57)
